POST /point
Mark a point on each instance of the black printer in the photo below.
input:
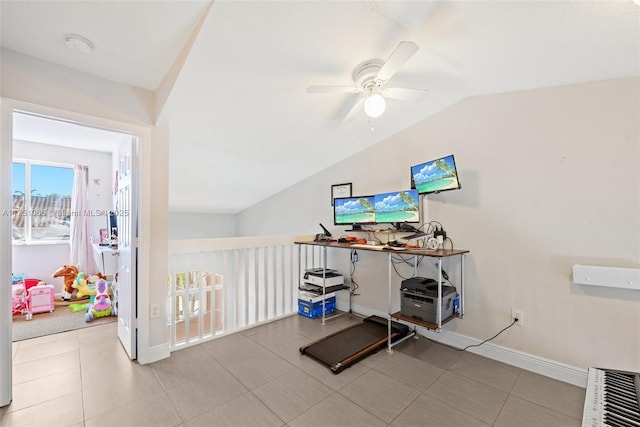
(419, 297)
(419, 285)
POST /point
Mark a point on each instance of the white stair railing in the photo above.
(221, 286)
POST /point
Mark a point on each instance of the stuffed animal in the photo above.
(19, 300)
(69, 272)
(95, 277)
(102, 304)
(83, 286)
(17, 294)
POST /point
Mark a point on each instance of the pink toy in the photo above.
(40, 298)
(101, 306)
(19, 305)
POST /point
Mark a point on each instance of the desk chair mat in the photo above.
(349, 345)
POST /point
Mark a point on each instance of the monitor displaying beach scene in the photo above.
(354, 210)
(436, 175)
(399, 206)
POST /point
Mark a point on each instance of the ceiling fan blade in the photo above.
(404, 93)
(351, 107)
(403, 52)
(332, 89)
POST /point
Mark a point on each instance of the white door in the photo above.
(127, 215)
(6, 156)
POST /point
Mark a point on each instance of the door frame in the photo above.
(144, 134)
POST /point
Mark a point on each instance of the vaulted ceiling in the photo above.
(241, 124)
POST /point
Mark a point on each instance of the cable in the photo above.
(398, 274)
(431, 227)
(376, 238)
(400, 259)
(450, 241)
(354, 259)
(473, 345)
(478, 345)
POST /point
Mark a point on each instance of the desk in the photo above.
(438, 254)
(106, 260)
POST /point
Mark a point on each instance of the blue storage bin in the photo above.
(313, 310)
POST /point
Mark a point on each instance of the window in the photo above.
(41, 202)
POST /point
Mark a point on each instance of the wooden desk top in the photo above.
(439, 253)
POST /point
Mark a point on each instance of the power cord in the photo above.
(399, 259)
(476, 345)
(450, 241)
(489, 339)
(445, 276)
(354, 259)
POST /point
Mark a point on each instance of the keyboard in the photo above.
(365, 246)
(414, 236)
(612, 399)
(378, 247)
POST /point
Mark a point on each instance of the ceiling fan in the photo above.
(370, 80)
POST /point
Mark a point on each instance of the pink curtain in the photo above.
(81, 250)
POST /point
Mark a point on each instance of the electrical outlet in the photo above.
(154, 312)
(517, 314)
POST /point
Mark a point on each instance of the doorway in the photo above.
(51, 228)
(127, 147)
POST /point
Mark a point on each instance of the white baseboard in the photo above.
(153, 354)
(549, 368)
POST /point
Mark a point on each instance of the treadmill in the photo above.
(347, 346)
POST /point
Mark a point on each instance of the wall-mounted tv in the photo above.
(436, 175)
(396, 207)
(354, 211)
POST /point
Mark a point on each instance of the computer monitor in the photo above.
(354, 211)
(113, 224)
(436, 175)
(397, 207)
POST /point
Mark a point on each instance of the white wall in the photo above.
(551, 177)
(198, 225)
(29, 79)
(58, 91)
(41, 260)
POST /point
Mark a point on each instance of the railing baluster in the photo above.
(229, 296)
(274, 278)
(215, 299)
(256, 283)
(236, 285)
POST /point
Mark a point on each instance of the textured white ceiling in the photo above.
(135, 41)
(242, 127)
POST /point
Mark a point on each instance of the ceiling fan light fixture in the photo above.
(370, 78)
(374, 104)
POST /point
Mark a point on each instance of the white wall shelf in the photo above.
(611, 277)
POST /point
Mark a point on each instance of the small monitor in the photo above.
(436, 175)
(398, 206)
(113, 224)
(354, 210)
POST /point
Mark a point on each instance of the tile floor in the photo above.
(259, 378)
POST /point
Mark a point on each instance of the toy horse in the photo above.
(83, 286)
(69, 272)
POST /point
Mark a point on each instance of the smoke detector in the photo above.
(76, 42)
